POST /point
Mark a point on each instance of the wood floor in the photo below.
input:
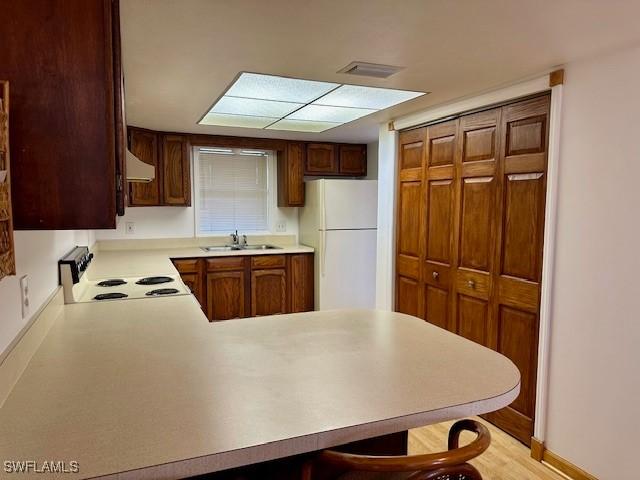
(506, 458)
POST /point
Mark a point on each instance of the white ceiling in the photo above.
(180, 56)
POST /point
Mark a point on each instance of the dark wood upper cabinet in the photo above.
(61, 58)
(353, 160)
(291, 175)
(176, 170)
(321, 159)
(144, 145)
(170, 156)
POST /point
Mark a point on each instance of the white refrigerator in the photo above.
(339, 220)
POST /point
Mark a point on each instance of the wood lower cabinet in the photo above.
(471, 201)
(268, 292)
(169, 154)
(226, 297)
(244, 286)
(301, 282)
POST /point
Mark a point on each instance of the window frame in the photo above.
(271, 194)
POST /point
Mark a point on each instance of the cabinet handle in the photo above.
(471, 284)
(435, 275)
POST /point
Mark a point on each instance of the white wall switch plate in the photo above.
(130, 228)
(281, 226)
(24, 295)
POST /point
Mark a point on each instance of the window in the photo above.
(233, 190)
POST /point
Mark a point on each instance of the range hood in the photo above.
(137, 170)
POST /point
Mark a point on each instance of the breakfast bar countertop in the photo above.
(150, 389)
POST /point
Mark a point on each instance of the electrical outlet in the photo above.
(130, 228)
(24, 295)
(281, 226)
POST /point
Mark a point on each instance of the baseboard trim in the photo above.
(540, 453)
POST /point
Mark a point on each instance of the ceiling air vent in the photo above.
(365, 69)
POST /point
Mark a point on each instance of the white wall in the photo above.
(37, 255)
(594, 390)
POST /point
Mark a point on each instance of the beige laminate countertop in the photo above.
(149, 389)
(157, 261)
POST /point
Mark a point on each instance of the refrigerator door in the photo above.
(349, 204)
(346, 269)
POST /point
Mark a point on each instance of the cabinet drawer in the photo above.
(187, 265)
(225, 263)
(268, 261)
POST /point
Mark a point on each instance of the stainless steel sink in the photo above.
(229, 248)
(221, 248)
(261, 247)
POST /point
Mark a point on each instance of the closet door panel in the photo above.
(436, 306)
(472, 318)
(522, 225)
(439, 215)
(477, 200)
(407, 296)
(409, 219)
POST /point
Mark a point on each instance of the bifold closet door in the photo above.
(476, 198)
(438, 208)
(409, 227)
(518, 257)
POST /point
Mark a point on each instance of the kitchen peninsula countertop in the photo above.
(147, 389)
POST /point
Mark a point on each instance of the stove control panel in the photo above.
(73, 265)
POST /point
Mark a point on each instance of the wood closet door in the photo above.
(409, 228)
(518, 256)
(475, 213)
(439, 202)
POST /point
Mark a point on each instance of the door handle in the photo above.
(471, 284)
(435, 275)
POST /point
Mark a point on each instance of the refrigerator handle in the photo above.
(323, 251)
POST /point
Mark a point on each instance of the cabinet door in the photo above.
(176, 170)
(225, 295)
(63, 118)
(321, 159)
(144, 145)
(301, 282)
(291, 175)
(353, 160)
(194, 282)
(268, 292)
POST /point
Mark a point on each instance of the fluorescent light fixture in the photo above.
(322, 113)
(302, 125)
(254, 107)
(279, 103)
(282, 89)
(244, 121)
(366, 97)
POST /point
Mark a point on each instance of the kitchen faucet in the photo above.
(238, 240)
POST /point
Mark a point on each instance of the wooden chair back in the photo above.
(450, 464)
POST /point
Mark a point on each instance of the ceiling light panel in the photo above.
(270, 87)
(280, 103)
(366, 97)
(255, 107)
(322, 113)
(243, 121)
(302, 126)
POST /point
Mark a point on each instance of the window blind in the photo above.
(233, 190)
